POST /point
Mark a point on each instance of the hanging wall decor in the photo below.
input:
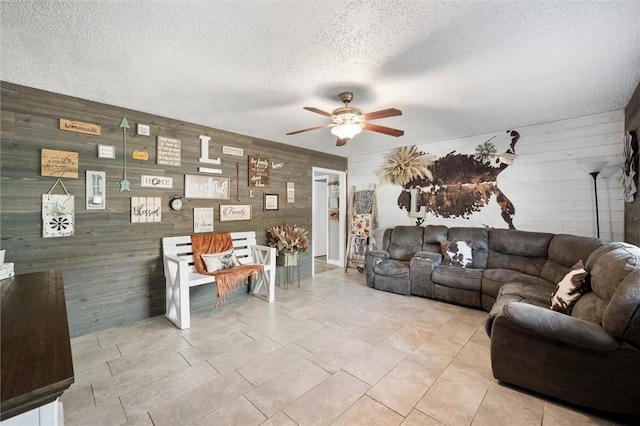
(459, 185)
(125, 185)
(202, 219)
(106, 151)
(80, 127)
(258, 172)
(59, 163)
(146, 209)
(630, 167)
(95, 190)
(169, 151)
(291, 192)
(58, 213)
(404, 164)
(207, 187)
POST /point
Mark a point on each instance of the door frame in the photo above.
(342, 215)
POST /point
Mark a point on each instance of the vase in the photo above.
(287, 259)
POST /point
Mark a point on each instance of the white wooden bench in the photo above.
(180, 273)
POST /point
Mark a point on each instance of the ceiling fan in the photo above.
(347, 121)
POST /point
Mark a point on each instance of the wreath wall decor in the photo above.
(404, 164)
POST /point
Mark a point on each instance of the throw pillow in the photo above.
(456, 253)
(218, 261)
(569, 290)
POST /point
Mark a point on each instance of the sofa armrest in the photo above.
(373, 258)
(420, 270)
(381, 254)
(560, 327)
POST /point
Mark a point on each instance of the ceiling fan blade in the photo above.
(382, 129)
(389, 112)
(319, 111)
(311, 128)
(341, 142)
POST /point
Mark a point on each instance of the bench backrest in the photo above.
(181, 247)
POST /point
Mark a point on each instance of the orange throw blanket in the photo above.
(226, 279)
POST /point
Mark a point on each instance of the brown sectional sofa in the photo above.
(590, 357)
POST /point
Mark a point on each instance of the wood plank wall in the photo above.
(632, 210)
(546, 183)
(113, 271)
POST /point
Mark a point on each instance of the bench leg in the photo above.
(178, 304)
(262, 285)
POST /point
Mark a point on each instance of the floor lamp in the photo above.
(594, 168)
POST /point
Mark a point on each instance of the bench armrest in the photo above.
(264, 255)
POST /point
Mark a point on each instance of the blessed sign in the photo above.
(258, 172)
(146, 209)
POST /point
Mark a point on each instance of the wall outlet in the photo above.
(144, 130)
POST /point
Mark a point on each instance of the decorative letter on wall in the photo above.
(204, 151)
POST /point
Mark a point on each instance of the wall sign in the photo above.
(58, 213)
(79, 127)
(169, 151)
(144, 130)
(96, 192)
(291, 192)
(147, 181)
(140, 155)
(229, 212)
(229, 150)
(106, 151)
(258, 172)
(59, 163)
(203, 219)
(207, 187)
(146, 209)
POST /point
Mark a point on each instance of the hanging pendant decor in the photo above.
(58, 213)
(124, 183)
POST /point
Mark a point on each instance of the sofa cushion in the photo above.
(456, 277)
(432, 236)
(456, 253)
(569, 289)
(493, 279)
(609, 266)
(564, 252)
(518, 292)
(518, 250)
(405, 241)
(480, 244)
(391, 267)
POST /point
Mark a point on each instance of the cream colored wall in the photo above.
(549, 188)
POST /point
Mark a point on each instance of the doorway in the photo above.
(329, 196)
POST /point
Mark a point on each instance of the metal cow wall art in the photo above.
(461, 184)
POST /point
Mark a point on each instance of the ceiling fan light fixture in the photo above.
(346, 131)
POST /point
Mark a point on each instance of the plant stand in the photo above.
(291, 267)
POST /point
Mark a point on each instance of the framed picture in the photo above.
(229, 212)
(333, 202)
(271, 201)
(206, 187)
(202, 219)
(291, 192)
(106, 151)
(96, 190)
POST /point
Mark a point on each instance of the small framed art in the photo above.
(271, 202)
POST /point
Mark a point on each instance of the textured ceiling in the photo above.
(455, 68)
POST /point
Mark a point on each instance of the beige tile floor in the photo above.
(332, 352)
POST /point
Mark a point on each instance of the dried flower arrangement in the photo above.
(405, 164)
(288, 239)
